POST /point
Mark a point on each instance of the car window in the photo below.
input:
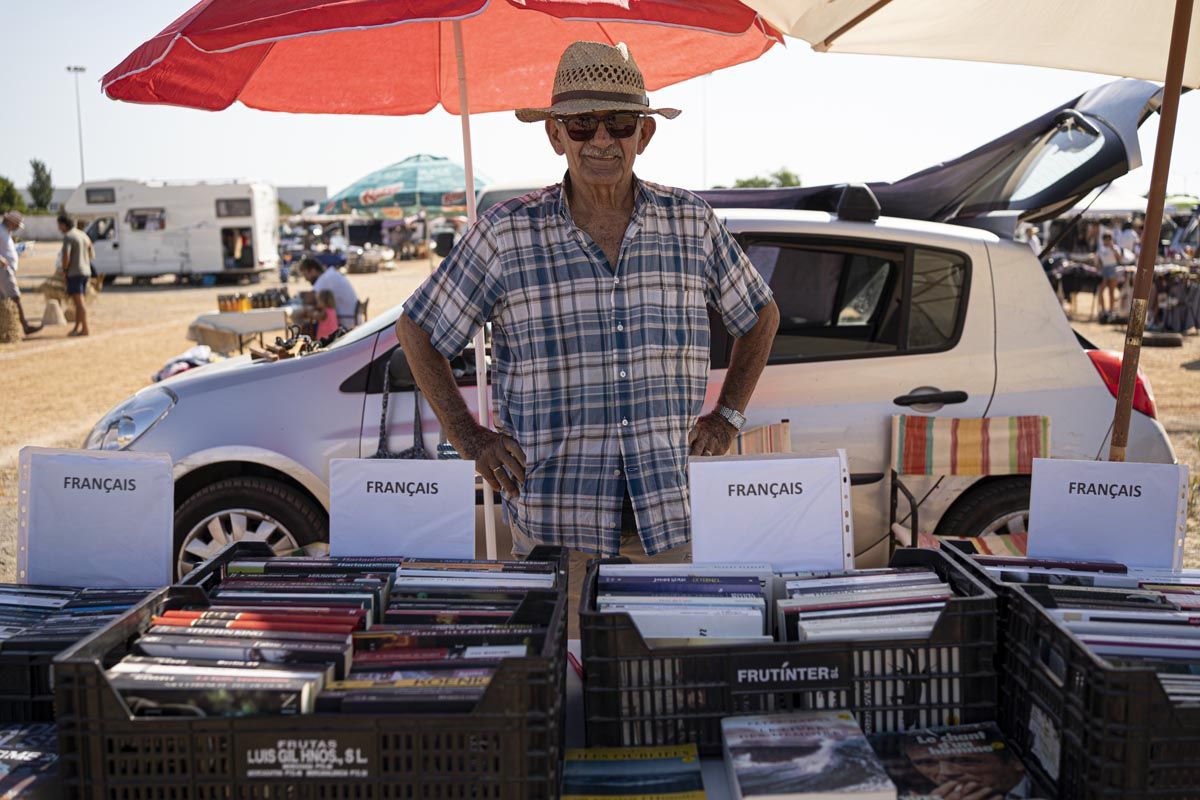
(848, 300)
(833, 300)
(937, 291)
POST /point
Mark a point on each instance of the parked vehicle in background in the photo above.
(880, 315)
(499, 192)
(146, 229)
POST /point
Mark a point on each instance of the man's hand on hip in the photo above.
(498, 458)
(711, 436)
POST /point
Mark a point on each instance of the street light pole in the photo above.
(75, 70)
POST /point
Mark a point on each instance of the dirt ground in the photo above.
(57, 387)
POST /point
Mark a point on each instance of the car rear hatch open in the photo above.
(1032, 173)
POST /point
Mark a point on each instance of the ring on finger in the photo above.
(498, 469)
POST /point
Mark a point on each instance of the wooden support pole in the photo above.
(1144, 278)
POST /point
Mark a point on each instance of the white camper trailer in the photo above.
(149, 228)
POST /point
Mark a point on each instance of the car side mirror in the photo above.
(399, 374)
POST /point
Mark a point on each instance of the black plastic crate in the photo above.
(638, 695)
(508, 748)
(26, 688)
(1091, 730)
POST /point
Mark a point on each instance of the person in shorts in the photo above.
(10, 293)
(77, 269)
(1107, 259)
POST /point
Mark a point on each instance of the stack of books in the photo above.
(961, 761)
(52, 618)
(296, 636)
(29, 762)
(824, 754)
(671, 772)
(807, 754)
(689, 603)
(890, 603)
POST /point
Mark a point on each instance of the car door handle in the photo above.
(944, 398)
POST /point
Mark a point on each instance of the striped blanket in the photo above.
(954, 446)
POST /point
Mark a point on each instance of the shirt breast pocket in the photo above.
(673, 316)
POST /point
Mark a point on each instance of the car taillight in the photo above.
(1108, 364)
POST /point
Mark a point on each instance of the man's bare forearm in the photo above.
(436, 381)
(749, 356)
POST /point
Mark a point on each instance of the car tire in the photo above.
(269, 510)
(1162, 339)
(997, 506)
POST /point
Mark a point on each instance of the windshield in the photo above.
(369, 328)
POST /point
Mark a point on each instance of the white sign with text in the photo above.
(1134, 514)
(791, 512)
(403, 507)
(95, 518)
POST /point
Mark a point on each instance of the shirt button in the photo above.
(616, 473)
(620, 327)
(622, 373)
(625, 423)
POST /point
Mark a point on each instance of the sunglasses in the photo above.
(620, 125)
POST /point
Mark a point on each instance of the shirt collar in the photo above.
(643, 198)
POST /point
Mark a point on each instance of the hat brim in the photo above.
(586, 106)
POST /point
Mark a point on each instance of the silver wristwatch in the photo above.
(735, 418)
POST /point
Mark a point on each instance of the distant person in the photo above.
(232, 242)
(10, 293)
(322, 279)
(77, 269)
(327, 319)
(1035, 242)
(1107, 259)
(1130, 238)
(82, 226)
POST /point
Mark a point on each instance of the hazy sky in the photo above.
(828, 117)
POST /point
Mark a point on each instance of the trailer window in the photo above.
(100, 196)
(146, 219)
(234, 207)
(101, 229)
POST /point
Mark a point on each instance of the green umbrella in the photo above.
(432, 183)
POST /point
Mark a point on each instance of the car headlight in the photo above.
(125, 424)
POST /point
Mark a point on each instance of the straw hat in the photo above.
(593, 76)
(15, 219)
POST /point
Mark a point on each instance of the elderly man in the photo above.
(10, 223)
(596, 290)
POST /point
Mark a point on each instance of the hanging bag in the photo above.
(417, 451)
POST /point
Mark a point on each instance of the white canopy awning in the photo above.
(1113, 201)
(1112, 37)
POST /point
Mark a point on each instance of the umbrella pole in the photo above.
(1144, 277)
(481, 385)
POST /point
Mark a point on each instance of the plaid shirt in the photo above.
(599, 374)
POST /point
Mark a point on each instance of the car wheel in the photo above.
(246, 509)
(996, 507)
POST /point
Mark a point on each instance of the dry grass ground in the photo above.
(55, 388)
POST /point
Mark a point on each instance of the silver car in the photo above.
(930, 308)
